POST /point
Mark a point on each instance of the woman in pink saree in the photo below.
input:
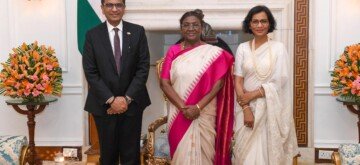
(196, 79)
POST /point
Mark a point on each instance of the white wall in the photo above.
(50, 23)
(334, 24)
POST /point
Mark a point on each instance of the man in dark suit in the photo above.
(116, 65)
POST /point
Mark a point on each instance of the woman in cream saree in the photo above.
(198, 83)
(264, 125)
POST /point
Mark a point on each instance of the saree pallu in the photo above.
(270, 142)
(194, 72)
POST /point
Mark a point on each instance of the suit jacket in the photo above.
(100, 69)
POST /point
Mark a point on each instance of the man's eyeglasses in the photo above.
(189, 26)
(112, 5)
(257, 22)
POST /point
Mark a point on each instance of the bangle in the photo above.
(112, 101)
(262, 95)
(198, 107)
(245, 107)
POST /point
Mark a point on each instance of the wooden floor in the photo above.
(92, 159)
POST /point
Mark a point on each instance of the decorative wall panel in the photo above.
(301, 65)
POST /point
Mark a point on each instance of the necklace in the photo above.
(183, 45)
(260, 75)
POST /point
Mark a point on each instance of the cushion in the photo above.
(10, 149)
(161, 146)
(349, 154)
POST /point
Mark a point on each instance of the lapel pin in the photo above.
(128, 33)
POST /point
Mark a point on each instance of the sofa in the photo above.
(348, 154)
(13, 150)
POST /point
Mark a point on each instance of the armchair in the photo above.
(157, 148)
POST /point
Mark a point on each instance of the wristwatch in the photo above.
(128, 100)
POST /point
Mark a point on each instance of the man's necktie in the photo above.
(117, 50)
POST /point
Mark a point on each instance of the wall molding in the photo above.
(72, 89)
(322, 90)
(333, 36)
(63, 37)
(331, 143)
(11, 24)
(221, 15)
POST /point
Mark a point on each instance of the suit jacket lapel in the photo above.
(107, 46)
(125, 45)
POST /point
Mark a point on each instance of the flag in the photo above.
(89, 15)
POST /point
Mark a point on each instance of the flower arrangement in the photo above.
(31, 72)
(345, 77)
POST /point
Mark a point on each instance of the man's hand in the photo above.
(118, 106)
(111, 111)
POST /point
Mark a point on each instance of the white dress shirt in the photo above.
(112, 34)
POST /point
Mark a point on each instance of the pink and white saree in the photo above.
(193, 73)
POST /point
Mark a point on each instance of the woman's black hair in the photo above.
(194, 13)
(256, 10)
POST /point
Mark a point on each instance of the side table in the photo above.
(351, 104)
(32, 108)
